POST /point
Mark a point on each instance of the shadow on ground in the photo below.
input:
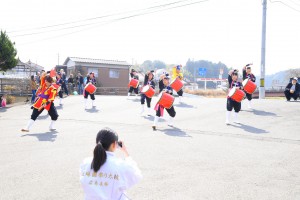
(92, 110)
(294, 101)
(44, 137)
(135, 99)
(173, 131)
(3, 109)
(184, 105)
(250, 129)
(42, 117)
(151, 118)
(59, 107)
(261, 112)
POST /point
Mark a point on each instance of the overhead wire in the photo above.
(89, 19)
(118, 19)
(278, 1)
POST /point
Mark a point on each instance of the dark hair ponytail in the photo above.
(99, 157)
(104, 139)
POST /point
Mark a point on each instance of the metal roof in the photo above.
(96, 61)
(30, 65)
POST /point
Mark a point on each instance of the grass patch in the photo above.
(208, 93)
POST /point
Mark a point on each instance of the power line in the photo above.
(115, 20)
(285, 5)
(90, 19)
(119, 19)
(73, 22)
(295, 2)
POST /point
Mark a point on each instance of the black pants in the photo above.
(52, 112)
(290, 95)
(60, 94)
(248, 96)
(180, 93)
(233, 104)
(136, 90)
(64, 86)
(86, 94)
(143, 97)
(171, 111)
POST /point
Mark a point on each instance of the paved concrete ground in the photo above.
(200, 158)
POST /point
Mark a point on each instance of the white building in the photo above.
(22, 70)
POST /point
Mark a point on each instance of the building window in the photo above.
(95, 70)
(114, 73)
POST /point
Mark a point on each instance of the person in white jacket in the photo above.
(104, 176)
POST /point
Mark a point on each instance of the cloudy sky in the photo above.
(169, 30)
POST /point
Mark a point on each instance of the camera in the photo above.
(120, 144)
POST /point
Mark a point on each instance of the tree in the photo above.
(157, 64)
(7, 53)
(293, 73)
(148, 65)
(212, 70)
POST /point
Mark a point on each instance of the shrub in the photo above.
(9, 87)
(10, 99)
(207, 93)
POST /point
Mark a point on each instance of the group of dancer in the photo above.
(164, 87)
(50, 87)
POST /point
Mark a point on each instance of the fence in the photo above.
(21, 87)
(15, 86)
(103, 90)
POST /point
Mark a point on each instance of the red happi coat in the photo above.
(45, 95)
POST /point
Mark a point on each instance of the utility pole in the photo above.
(263, 52)
(194, 71)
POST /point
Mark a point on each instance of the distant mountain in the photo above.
(276, 80)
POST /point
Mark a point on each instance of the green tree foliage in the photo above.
(7, 53)
(292, 73)
(212, 69)
(148, 65)
(157, 64)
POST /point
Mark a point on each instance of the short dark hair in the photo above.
(49, 79)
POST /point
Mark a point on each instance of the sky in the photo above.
(227, 31)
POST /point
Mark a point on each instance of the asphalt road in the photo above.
(200, 158)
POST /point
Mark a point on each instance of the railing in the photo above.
(15, 86)
(103, 90)
(21, 87)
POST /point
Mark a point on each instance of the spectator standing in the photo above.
(33, 86)
(71, 83)
(64, 79)
(79, 80)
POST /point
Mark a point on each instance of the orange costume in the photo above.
(45, 95)
(45, 98)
